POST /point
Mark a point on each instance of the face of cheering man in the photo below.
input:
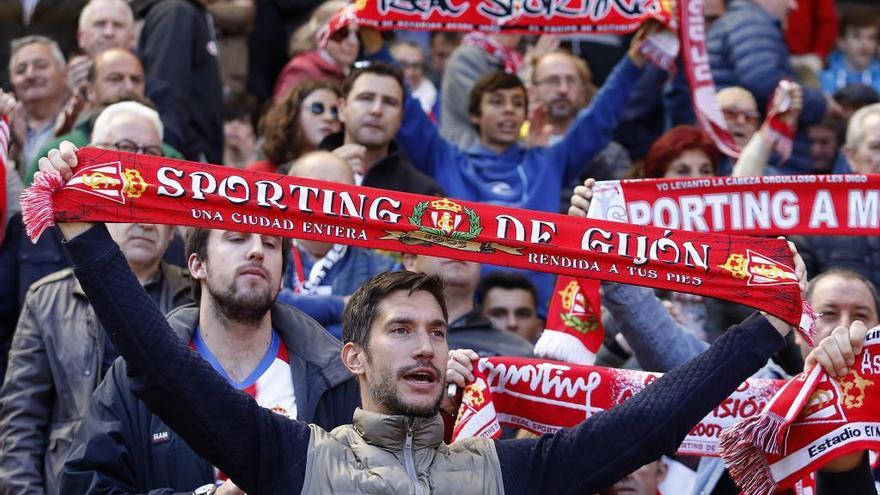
(372, 110)
(840, 298)
(239, 273)
(399, 349)
(559, 86)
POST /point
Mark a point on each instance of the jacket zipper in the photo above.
(408, 461)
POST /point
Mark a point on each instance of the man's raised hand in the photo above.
(837, 352)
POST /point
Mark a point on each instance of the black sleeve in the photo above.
(256, 447)
(613, 443)
(112, 451)
(858, 481)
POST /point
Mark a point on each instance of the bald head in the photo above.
(322, 165)
(105, 24)
(741, 113)
(116, 73)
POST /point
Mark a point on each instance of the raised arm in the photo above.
(594, 126)
(253, 445)
(613, 443)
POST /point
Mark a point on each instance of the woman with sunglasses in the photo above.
(295, 124)
(310, 60)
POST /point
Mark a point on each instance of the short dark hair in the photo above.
(370, 67)
(493, 81)
(846, 275)
(857, 18)
(508, 280)
(196, 242)
(363, 307)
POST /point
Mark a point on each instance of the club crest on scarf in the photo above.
(109, 181)
(447, 223)
(578, 314)
(757, 269)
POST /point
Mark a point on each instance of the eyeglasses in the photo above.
(130, 146)
(557, 81)
(750, 116)
(317, 108)
(411, 65)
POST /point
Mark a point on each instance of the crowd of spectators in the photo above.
(506, 119)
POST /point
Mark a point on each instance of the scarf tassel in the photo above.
(561, 346)
(742, 446)
(807, 328)
(37, 209)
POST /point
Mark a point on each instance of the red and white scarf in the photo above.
(544, 396)
(113, 186)
(811, 420)
(767, 205)
(4, 159)
(574, 330)
(509, 58)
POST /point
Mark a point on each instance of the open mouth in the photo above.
(425, 376)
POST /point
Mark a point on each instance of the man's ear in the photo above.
(197, 268)
(354, 357)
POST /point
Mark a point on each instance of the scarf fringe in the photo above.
(807, 327)
(743, 446)
(37, 210)
(561, 346)
(661, 49)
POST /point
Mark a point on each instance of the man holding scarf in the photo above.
(395, 343)
(660, 344)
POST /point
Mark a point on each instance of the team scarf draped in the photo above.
(544, 396)
(4, 159)
(765, 205)
(813, 419)
(574, 330)
(114, 186)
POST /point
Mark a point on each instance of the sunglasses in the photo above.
(341, 35)
(317, 108)
(734, 114)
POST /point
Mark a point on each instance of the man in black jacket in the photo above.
(178, 46)
(395, 343)
(371, 112)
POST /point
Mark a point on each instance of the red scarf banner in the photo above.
(695, 55)
(511, 16)
(811, 420)
(543, 396)
(4, 159)
(765, 205)
(112, 186)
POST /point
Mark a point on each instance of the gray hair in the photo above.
(102, 127)
(855, 131)
(19, 43)
(93, 4)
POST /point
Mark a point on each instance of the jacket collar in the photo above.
(171, 275)
(389, 431)
(394, 156)
(315, 364)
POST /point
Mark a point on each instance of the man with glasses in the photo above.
(412, 60)
(59, 351)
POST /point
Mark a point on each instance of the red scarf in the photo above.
(574, 330)
(543, 396)
(776, 130)
(768, 205)
(692, 36)
(512, 16)
(811, 420)
(4, 159)
(112, 186)
(511, 59)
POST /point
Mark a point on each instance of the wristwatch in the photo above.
(208, 489)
